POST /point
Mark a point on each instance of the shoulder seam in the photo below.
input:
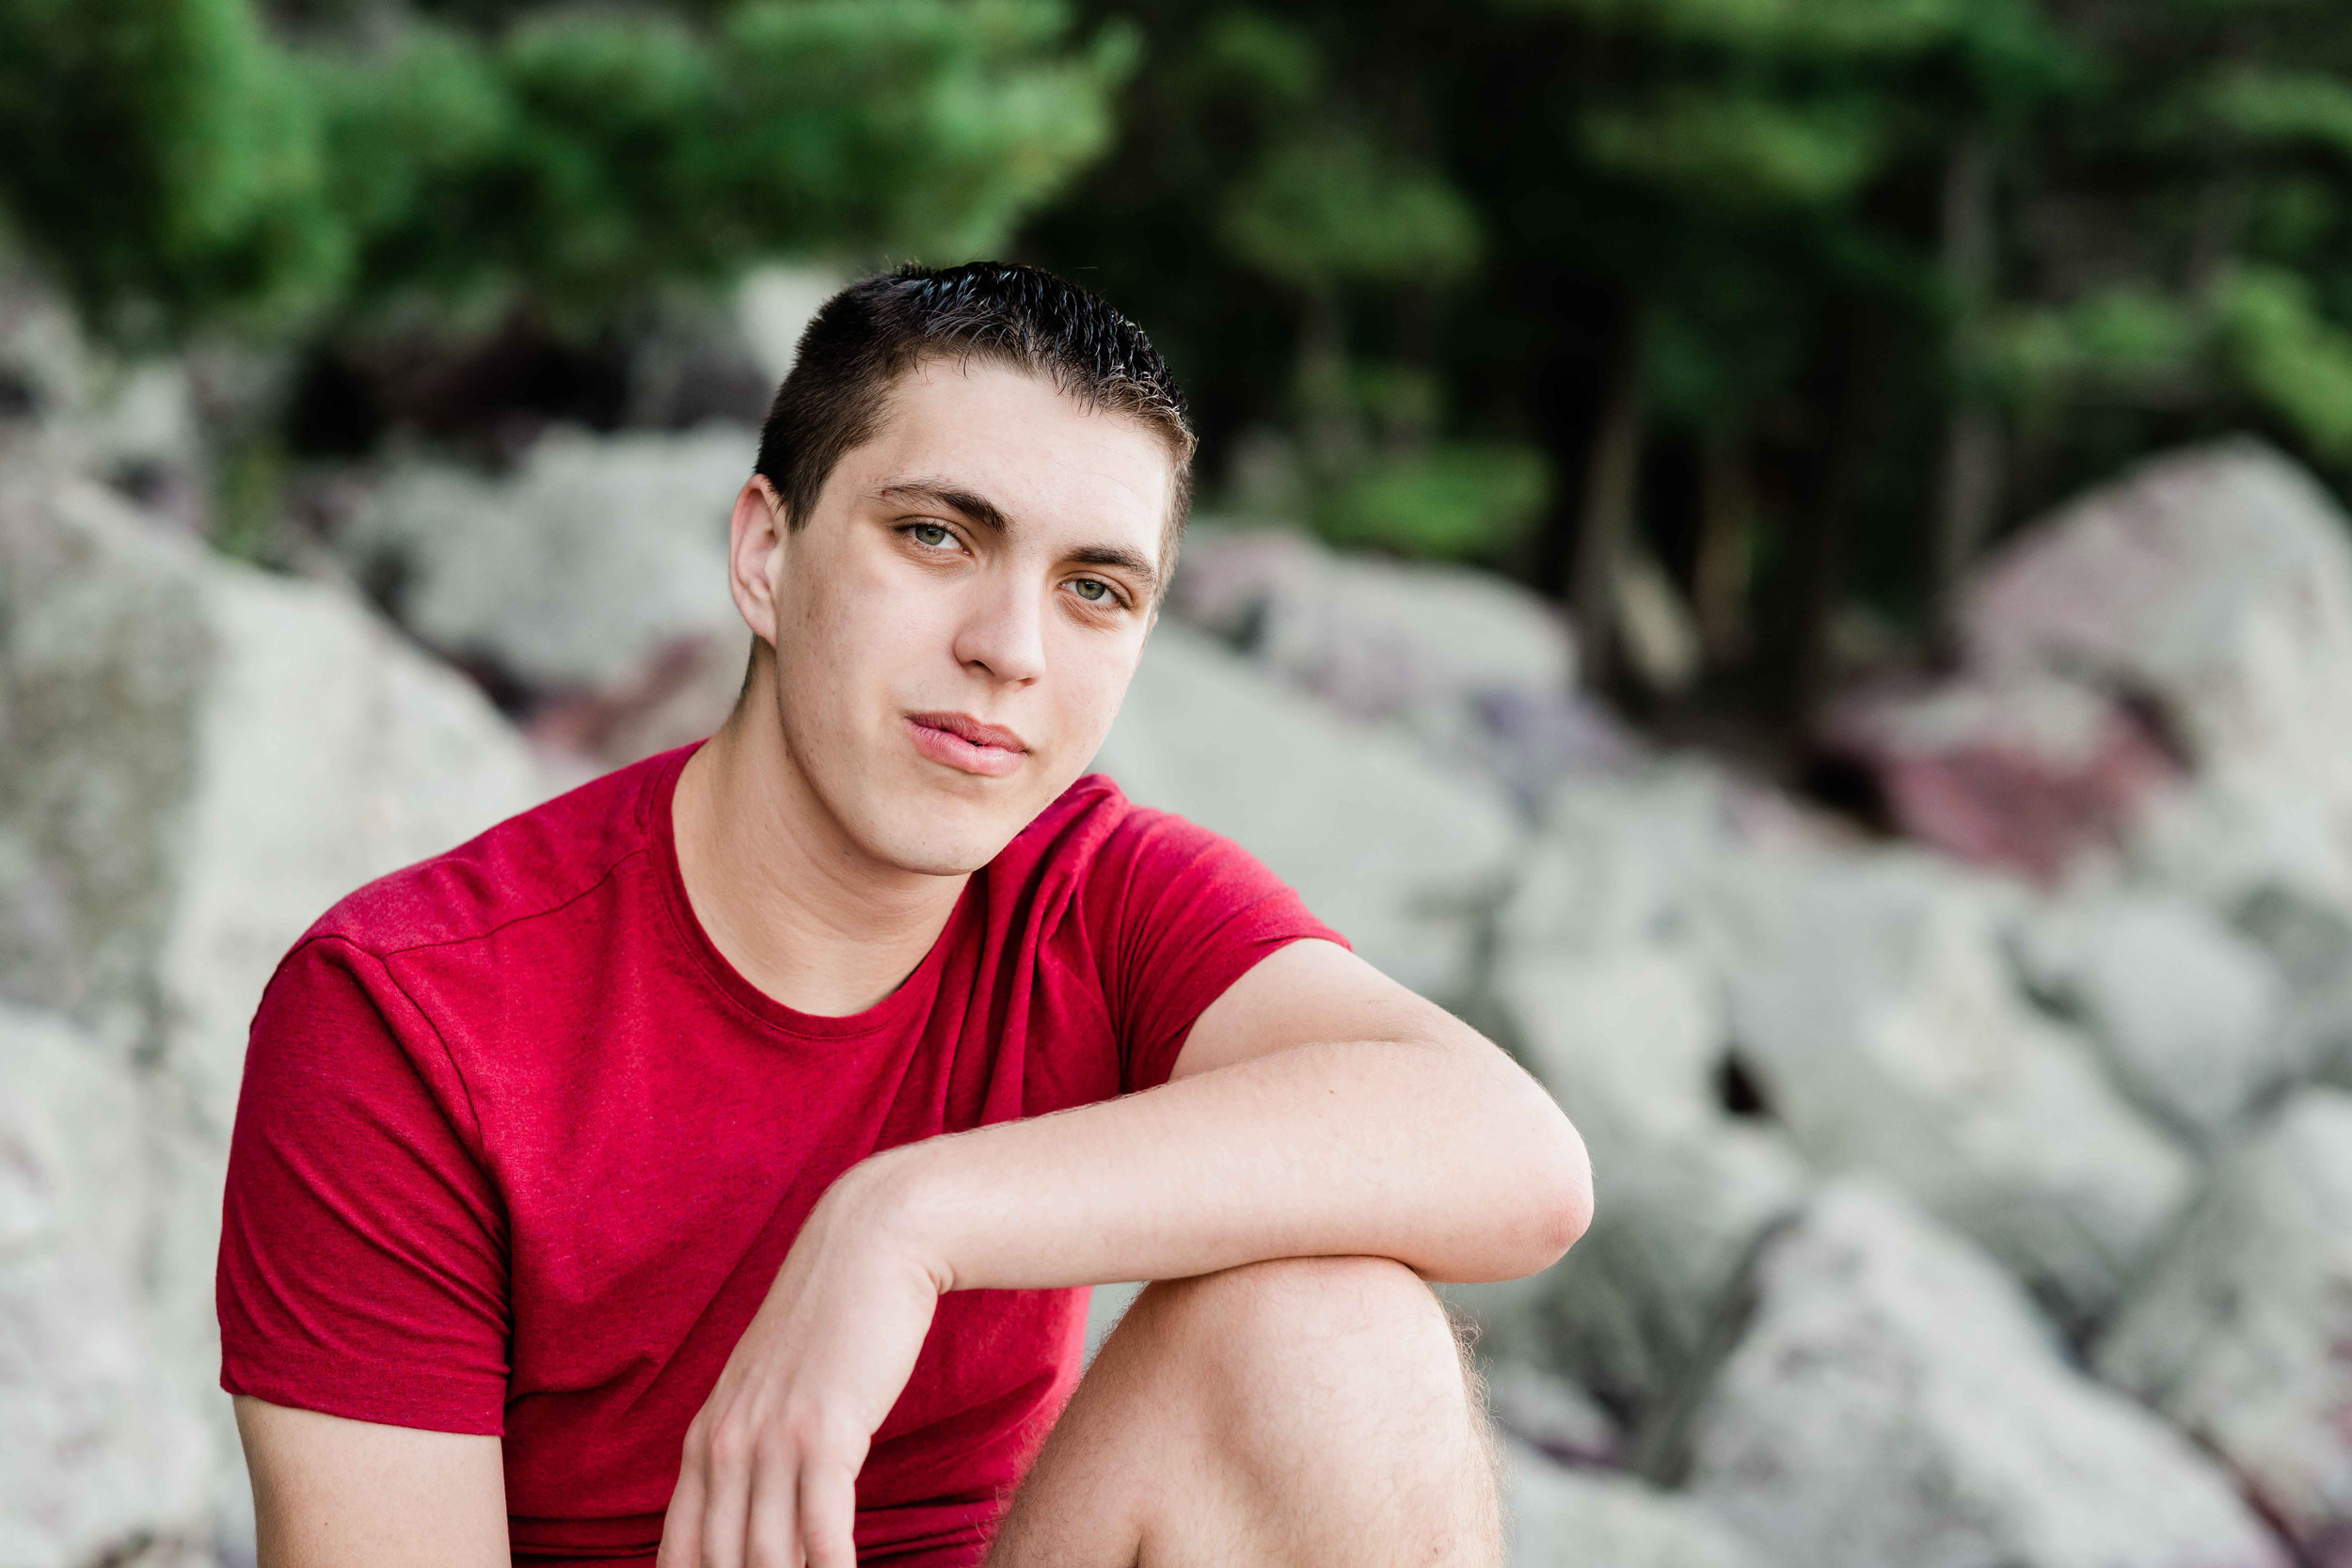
(563, 903)
(480, 1150)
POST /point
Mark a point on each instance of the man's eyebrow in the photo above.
(976, 509)
(983, 512)
(1146, 574)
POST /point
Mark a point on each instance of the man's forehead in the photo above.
(1036, 456)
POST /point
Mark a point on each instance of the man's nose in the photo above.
(1003, 630)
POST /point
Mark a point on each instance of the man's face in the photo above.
(957, 620)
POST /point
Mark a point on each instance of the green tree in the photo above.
(1805, 298)
(185, 161)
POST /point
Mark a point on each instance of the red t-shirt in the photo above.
(519, 1152)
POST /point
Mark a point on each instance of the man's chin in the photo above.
(953, 841)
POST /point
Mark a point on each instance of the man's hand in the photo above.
(771, 1468)
(1317, 1109)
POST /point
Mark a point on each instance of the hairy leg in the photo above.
(1296, 1413)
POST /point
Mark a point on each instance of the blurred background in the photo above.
(1782, 557)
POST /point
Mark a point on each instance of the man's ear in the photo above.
(756, 536)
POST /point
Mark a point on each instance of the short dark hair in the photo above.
(865, 338)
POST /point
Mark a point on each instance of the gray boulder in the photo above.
(597, 554)
(2190, 1015)
(1481, 671)
(1375, 638)
(2240, 1332)
(1551, 1414)
(1632, 1041)
(1895, 1401)
(773, 308)
(1563, 1518)
(199, 759)
(100, 1452)
(2033, 773)
(1878, 1011)
(2312, 945)
(2215, 581)
(1607, 985)
(1625, 860)
(1401, 857)
(2215, 584)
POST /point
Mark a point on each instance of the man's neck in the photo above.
(799, 910)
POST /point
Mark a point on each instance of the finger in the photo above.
(828, 1513)
(774, 1533)
(726, 1504)
(681, 1525)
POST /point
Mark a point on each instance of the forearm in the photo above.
(1441, 1155)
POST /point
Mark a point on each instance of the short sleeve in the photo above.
(1192, 913)
(363, 1250)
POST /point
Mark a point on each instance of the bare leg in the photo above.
(1297, 1414)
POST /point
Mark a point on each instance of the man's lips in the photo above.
(962, 742)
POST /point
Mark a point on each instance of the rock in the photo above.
(1553, 1416)
(2234, 835)
(1401, 857)
(2215, 584)
(1647, 855)
(135, 424)
(683, 693)
(2029, 775)
(2189, 1015)
(1480, 669)
(773, 308)
(1574, 1518)
(1606, 986)
(1632, 1041)
(2241, 1333)
(45, 369)
(1373, 637)
(1876, 1009)
(104, 656)
(69, 1119)
(100, 1453)
(1621, 862)
(2312, 946)
(1105, 1306)
(575, 573)
(1895, 1401)
(199, 759)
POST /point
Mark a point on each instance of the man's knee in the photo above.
(1357, 1343)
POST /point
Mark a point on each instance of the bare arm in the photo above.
(1317, 1108)
(330, 1493)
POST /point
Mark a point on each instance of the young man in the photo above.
(702, 1161)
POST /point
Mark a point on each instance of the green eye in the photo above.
(931, 535)
(1092, 590)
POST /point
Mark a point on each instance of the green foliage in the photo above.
(164, 153)
(2282, 108)
(194, 166)
(1762, 214)
(1334, 207)
(1422, 244)
(1460, 498)
(2290, 355)
(1736, 151)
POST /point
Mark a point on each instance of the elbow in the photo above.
(1550, 1202)
(1564, 1192)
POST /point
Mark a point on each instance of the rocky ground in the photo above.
(1976, 1196)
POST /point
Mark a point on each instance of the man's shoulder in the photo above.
(533, 862)
(1087, 823)
(1094, 836)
